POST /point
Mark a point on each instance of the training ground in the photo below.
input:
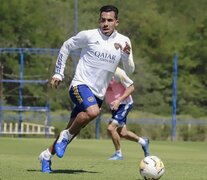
(87, 160)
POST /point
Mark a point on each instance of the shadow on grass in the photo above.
(74, 171)
(65, 171)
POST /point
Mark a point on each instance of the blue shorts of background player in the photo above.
(119, 116)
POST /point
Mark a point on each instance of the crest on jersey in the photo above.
(117, 46)
(90, 99)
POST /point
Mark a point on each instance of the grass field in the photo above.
(87, 160)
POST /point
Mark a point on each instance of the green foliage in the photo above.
(157, 29)
(160, 132)
(192, 133)
(87, 132)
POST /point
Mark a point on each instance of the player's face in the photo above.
(108, 22)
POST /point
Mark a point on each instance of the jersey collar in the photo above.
(108, 37)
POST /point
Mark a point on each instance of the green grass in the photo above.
(87, 160)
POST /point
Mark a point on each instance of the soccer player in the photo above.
(119, 98)
(101, 51)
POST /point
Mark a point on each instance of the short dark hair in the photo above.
(108, 8)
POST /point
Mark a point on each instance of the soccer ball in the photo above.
(151, 168)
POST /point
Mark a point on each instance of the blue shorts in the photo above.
(83, 98)
(120, 115)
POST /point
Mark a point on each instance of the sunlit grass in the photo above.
(87, 159)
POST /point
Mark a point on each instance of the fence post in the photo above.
(174, 97)
(1, 95)
(98, 122)
(20, 90)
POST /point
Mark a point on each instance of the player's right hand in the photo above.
(115, 104)
(54, 83)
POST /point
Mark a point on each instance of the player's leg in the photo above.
(118, 117)
(129, 135)
(87, 108)
(112, 130)
(64, 139)
(88, 104)
(46, 155)
(121, 116)
(83, 118)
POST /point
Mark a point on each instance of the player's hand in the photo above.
(115, 105)
(54, 83)
(127, 49)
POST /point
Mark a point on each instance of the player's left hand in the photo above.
(127, 49)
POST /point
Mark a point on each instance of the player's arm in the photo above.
(129, 90)
(71, 44)
(127, 58)
(121, 77)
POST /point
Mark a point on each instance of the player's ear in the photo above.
(117, 22)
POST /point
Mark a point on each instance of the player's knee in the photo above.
(109, 129)
(123, 134)
(93, 113)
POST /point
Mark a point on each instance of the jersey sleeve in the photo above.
(73, 43)
(121, 76)
(127, 60)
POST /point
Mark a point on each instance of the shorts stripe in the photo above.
(77, 94)
(83, 98)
